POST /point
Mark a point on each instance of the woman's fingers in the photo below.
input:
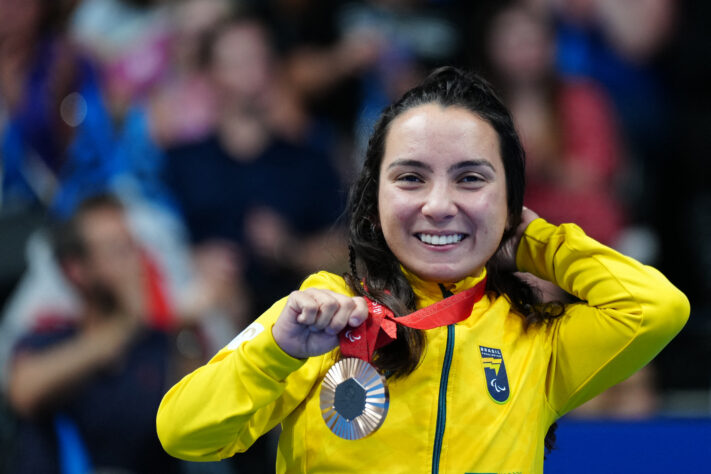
(360, 313)
(313, 317)
(304, 307)
(324, 310)
(335, 311)
(329, 309)
(334, 317)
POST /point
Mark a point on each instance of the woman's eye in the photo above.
(409, 178)
(472, 178)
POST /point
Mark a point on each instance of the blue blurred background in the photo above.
(202, 151)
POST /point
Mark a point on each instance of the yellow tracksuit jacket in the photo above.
(484, 395)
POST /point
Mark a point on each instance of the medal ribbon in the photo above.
(380, 328)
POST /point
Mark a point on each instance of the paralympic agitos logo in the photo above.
(495, 372)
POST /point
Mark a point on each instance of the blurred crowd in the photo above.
(170, 168)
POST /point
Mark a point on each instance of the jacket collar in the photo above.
(428, 292)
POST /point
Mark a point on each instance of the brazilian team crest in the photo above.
(495, 371)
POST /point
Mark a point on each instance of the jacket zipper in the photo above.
(442, 404)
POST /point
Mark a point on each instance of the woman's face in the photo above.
(442, 192)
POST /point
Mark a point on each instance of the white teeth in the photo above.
(440, 239)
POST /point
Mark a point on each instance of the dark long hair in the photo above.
(374, 270)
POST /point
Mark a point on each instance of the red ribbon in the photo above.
(380, 328)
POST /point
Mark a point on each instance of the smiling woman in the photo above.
(438, 241)
(442, 193)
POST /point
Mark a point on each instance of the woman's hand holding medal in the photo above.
(311, 320)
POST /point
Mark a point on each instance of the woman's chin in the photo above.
(444, 273)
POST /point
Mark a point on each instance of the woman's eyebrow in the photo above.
(472, 164)
(412, 163)
(455, 167)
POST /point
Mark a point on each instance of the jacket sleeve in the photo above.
(245, 390)
(629, 312)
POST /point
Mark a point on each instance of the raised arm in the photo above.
(258, 379)
(629, 312)
(40, 378)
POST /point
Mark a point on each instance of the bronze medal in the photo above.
(354, 395)
(354, 398)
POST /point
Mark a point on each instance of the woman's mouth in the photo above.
(440, 239)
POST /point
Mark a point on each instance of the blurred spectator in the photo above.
(38, 73)
(62, 140)
(86, 386)
(346, 60)
(568, 128)
(248, 189)
(204, 294)
(186, 85)
(619, 44)
(410, 37)
(130, 40)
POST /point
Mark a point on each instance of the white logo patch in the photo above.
(250, 332)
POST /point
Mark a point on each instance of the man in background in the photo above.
(86, 386)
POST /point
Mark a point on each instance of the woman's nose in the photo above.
(439, 203)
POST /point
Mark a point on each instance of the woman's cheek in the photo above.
(397, 205)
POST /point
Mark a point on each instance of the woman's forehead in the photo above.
(441, 134)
